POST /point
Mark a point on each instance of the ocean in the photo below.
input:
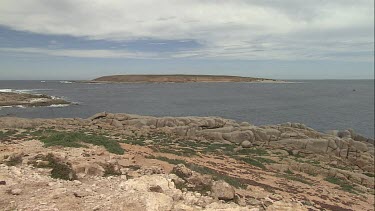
(320, 104)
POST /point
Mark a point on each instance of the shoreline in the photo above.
(197, 163)
(12, 98)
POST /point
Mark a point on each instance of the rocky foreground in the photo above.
(176, 79)
(131, 162)
(28, 100)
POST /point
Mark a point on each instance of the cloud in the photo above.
(236, 29)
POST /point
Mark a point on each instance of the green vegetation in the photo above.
(235, 182)
(288, 171)
(345, 186)
(295, 155)
(14, 160)
(253, 151)
(369, 174)
(252, 162)
(291, 176)
(7, 134)
(256, 161)
(168, 160)
(60, 170)
(309, 161)
(76, 139)
(110, 170)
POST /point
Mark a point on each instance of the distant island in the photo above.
(177, 79)
(10, 99)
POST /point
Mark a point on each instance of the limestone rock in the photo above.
(98, 116)
(222, 190)
(246, 144)
(286, 206)
(317, 145)
(16, 191)
(182, 171)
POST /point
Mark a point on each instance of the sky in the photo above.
(281, 39)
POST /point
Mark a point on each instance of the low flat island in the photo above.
(176, 79)
(29, 100)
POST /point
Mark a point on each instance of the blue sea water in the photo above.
(320, 104)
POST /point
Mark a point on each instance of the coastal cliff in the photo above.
(177, 79)
(132, 162)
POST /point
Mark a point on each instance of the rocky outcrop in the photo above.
(180, 163)
(290, 136)
(29, 100)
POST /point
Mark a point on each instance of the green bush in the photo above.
(76, 139)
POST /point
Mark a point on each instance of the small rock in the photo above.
(16, 191)
(246, 144)
(222, 190)
(77, 182)
(156, 189)
(3, 183)
(334, 163)
(295, 152)
(182, 171)
(149, 142)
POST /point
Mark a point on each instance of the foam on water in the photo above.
(58, 105)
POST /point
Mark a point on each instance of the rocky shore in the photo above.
(176, 79)
(28, 100)
(131, 162)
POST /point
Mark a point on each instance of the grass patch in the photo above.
(178, 151)
(312, 162)
(110, 170)
(76, 139)
(218, 147)
(343, 184)
(295, 155)
(265, 160)
(60, 170)
(252, 162)
(168, 160)
(7, 134)
(290, 176)
(14, 160)
(369, 174)
(288, 171)
(235, 182)
(253, 151)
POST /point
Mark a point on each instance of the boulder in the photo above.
(222, 190)
(182, 171)
(239, 136)
(98, 116)
(292, 143)
(199, 181)
(344, 134)
(272, 132)
(246, 144)
(116, 123)
(360, 146)
(317, 145)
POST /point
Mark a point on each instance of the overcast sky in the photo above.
(288, 39)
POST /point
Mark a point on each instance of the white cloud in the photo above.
(236, 29)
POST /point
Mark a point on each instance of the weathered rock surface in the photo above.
(29, 100)
(292, 151)
(222, 190)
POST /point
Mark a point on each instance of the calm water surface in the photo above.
(322, 105)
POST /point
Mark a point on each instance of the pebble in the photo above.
(16, 191)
